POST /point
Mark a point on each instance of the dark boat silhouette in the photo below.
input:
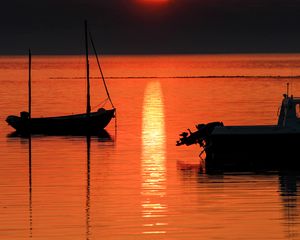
(85, 123)
(258, 147)
(70, 124)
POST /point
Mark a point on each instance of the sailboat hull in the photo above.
(70, 124)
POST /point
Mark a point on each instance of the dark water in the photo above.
(138, 184)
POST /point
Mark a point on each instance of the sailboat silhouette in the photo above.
(84, 123)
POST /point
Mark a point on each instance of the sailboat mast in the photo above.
(29, 85)
(88, 101)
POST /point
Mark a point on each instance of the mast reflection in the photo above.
(88, 171)
(153, 161)
(102, 136)
(30, 186)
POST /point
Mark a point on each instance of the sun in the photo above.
(153, 1)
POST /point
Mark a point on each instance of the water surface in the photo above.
(138, 184)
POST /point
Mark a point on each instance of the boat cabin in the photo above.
(289, 112)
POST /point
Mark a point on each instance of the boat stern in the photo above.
(18, 123)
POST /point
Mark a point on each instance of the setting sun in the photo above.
(153, 1)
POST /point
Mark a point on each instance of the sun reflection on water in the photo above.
(153, 161)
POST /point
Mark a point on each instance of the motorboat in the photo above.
(256, 147)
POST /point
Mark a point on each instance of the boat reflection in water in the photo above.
(289, 183)
(153, 162)
(103, 138)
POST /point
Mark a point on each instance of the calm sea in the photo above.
(137, 184)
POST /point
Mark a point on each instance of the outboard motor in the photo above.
(201, 136)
